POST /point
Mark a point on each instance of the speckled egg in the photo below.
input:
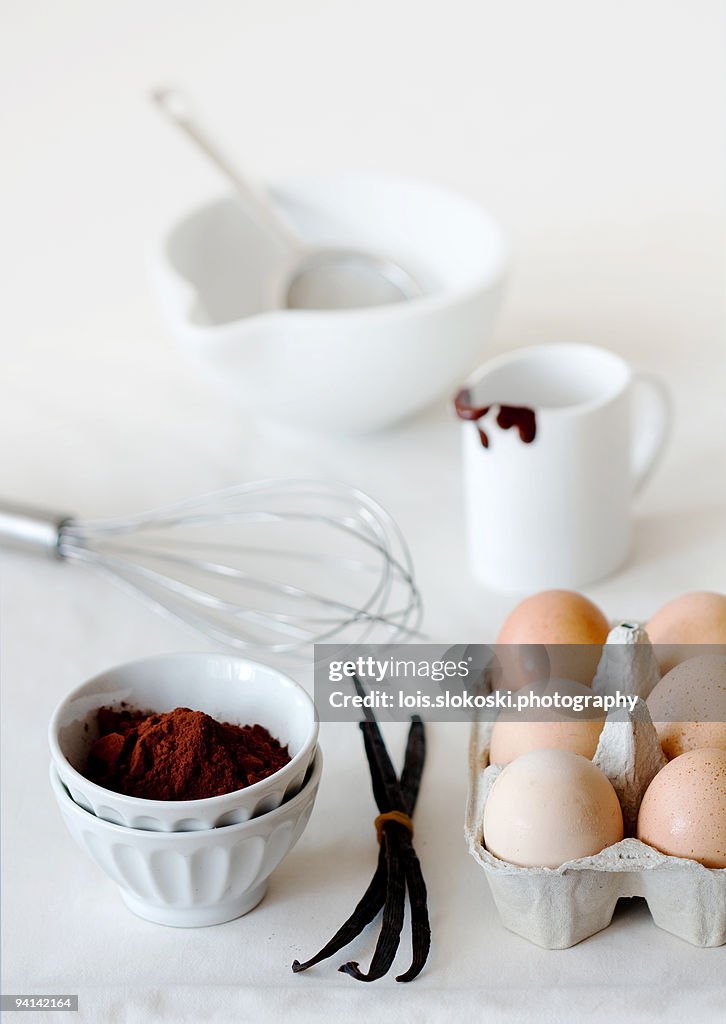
(556, 619)
(683, 812)
(688, 705)
(549, 807)
(696, 618)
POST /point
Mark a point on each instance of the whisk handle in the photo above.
(30, 529)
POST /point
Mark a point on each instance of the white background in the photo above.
(594, 132)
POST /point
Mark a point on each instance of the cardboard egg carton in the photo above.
(559, 907)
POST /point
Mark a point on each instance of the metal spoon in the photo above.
(313, 278)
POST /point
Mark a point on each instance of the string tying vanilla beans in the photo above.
(398, 867)
(398, 816)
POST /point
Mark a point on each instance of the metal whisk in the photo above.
(273, 566)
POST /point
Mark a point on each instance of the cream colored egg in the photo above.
(697, 618)
(683, 812)
(688, 705)
(534, 728)
(549, 807)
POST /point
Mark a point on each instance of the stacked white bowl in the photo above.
(189, 862)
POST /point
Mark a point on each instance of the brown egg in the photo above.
(688, 705)
(516, 733)
(556, 619)
(683, 813)
(697, 618)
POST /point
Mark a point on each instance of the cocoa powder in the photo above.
(179, 755)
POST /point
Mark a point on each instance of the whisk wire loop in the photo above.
(209, 562)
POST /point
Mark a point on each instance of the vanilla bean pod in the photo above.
(398, 867)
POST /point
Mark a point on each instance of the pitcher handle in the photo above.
(652, 421)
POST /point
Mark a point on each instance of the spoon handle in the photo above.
(176, 108)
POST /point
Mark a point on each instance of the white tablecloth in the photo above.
(594, 133)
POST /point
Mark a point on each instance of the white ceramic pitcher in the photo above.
(569, 435)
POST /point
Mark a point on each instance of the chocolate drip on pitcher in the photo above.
(519, 416)
(522, 418)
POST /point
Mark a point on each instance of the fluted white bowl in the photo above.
(228, 688)
(192, 879)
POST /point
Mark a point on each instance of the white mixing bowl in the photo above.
(228, 688)
(191, 879)
(336, 370)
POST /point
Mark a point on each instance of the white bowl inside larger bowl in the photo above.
(228, 688)
(192, 879)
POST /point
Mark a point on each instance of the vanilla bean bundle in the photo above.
(398, 867)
